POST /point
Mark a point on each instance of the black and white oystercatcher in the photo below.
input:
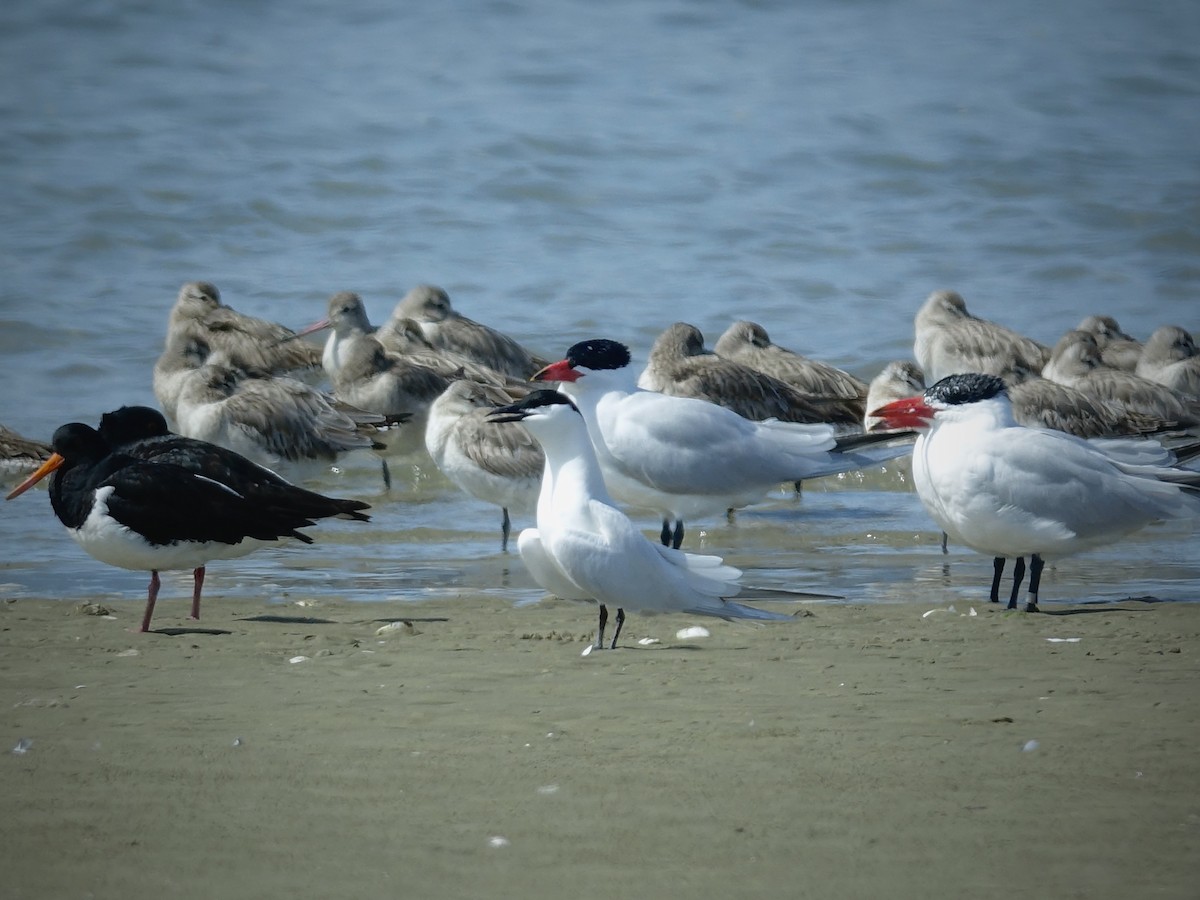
(178, 510)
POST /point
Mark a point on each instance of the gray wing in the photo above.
(748, 393)
(507, 450)
(296, 421)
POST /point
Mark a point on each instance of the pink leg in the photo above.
(198, 575)
(151, 596)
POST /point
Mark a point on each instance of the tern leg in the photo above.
(617, 633)
(665, 536)
(677, 537)
(387, 474)
(151, 596)
(997, 574)
(1018, 577)
(1035, 582)
(945, 540)
(197, 584)
(505, 530)
(600, 631)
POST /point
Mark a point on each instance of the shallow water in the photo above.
(566, 171)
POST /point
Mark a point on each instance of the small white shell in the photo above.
(298, 659)
(497, 840)
(646, 642)
(400, 627)
(695, 631)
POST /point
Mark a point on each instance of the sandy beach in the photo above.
(857, 751)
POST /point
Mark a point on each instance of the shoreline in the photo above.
(857, 751)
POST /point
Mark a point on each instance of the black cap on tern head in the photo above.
(597, 354)
(529, 404)
(970, 387)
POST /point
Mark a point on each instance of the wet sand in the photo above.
(857, 751)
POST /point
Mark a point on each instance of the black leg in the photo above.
(505, 530)
(677, 537)
(1018, 577)
(945, 540)
(665, 536)
(997, 574)
(1035, 582)
(617, 633)
(600, 631)
(387, 475)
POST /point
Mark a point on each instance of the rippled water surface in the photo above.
(569, 170)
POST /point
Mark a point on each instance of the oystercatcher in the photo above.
(154, 515)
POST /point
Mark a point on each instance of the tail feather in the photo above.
(728, 609)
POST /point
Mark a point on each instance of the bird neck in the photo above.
(572, 471)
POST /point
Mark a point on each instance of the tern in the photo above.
(948, 339)
(686, 458)
(1007, 490)
(592, 549)
(157, 516)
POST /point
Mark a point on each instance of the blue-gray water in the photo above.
(569, 170)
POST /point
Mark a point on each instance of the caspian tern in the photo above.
(1007, 490)
(1117, 349)
(749, 344)
(686, 458)
(594, 550)
(500, 464)
(948, 340)
(157, 516)
(1170, 358)
(445, 327)
(247, 342)
(680, 365)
